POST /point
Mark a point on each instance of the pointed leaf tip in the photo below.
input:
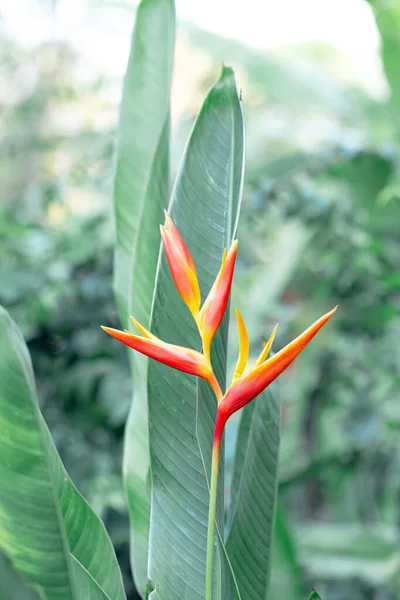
(226, 79)
(226, 71)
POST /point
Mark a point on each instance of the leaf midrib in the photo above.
(107, 597)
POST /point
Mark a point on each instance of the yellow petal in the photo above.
(244, 347)
(145, 332)
(225, 254)
(267, 348)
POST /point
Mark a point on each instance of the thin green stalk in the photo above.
(211, 521)
(218, 431)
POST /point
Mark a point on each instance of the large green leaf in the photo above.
(253, 495)
(140, 196)
(47, 530)
(205, 207)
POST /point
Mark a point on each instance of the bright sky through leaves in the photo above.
(101, 30)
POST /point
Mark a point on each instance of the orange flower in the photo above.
(183, 272)
(177, 357)
(246, 387)
(181, 265)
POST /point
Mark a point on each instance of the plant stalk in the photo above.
(218, 431)
(211, 521)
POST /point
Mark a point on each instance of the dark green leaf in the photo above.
(204, 206)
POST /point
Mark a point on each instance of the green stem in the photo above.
(218, 431)
(211, 520)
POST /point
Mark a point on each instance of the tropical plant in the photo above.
(243, 389)
(51, 536)
(323, 207)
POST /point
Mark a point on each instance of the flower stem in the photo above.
(218, 431)
(211, 521)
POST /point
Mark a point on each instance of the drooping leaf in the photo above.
(141, 191)
(253, 495)
(48, 531)
(204, 206)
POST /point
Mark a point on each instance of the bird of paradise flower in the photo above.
(246, 384)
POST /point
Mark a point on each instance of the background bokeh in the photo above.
(320, 226)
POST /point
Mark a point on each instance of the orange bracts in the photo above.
(245, 386)
(183, 272)
(177, 357)
(181, 266)
(213, 309)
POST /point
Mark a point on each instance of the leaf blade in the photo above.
(141, 189)
(142, 157)
(43, 518)
(253, 495)
(204, 206)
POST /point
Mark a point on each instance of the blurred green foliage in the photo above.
(319, 227)
(56, 269)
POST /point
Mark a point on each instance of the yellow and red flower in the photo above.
(177, 357)
(245, 386)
